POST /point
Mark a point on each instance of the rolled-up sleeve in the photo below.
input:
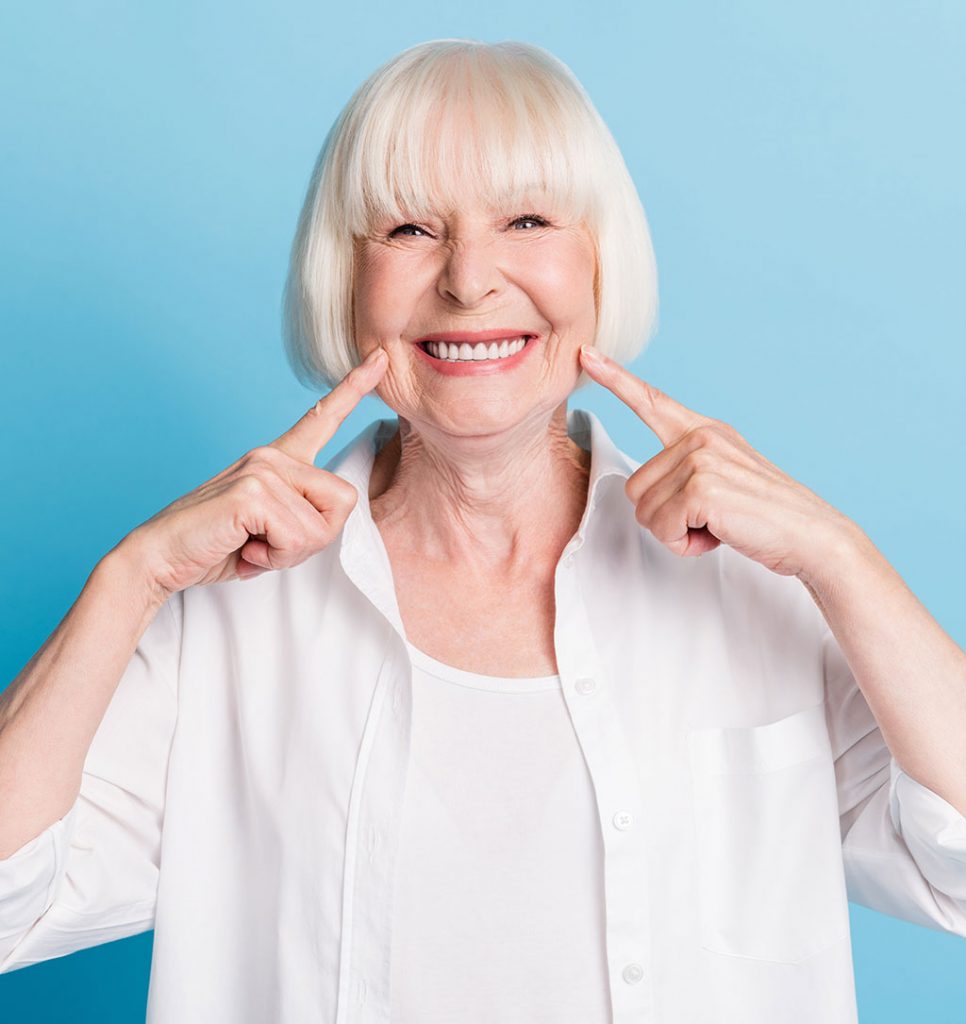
(932, 829)
(903, 846)
(28, 876)
(92, 876)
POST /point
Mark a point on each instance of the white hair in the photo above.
(398, 150)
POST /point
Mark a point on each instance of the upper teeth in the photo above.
(481, 350)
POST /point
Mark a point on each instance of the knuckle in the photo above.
(694, 486)
(699, 460)
(706, 434)
(298, 540)
(326, 534)
(337, 493)
(286, 542)
(344, 494)
(333, 529)
(643, 516)
(275, 557)
(264, 454)
(726, 428)
(724, 431)
(702, 486)
(658, 527)
(251, 486)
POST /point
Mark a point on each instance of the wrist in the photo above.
(845, 548)
(128, 568)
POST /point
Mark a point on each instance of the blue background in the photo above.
(804, 172)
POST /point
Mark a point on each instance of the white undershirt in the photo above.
(498, 908)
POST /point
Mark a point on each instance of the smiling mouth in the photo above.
(465, 352)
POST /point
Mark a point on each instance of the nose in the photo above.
(469, 274)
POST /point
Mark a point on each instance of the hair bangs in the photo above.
(474, 130)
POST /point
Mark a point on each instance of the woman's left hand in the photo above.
(710, 486)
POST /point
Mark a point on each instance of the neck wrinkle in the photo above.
(508, 503)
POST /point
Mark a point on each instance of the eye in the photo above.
(392, 234)
(535, 218)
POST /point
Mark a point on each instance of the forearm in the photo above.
(50, 713)
(911, 672)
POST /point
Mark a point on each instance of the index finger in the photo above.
(668, 418)
(309, 435)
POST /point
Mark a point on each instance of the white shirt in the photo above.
(498, 913)
(243, 794)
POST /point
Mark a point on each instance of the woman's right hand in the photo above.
(271, 509)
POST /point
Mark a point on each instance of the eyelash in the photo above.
(541, 221)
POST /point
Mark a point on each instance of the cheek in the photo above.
(565, 289)
(565, 268)
(383, 295)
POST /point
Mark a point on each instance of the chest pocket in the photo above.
(771, 883)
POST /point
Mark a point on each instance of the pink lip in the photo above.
(477, 367)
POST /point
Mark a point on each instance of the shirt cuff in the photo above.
(29, 876)
(932, 829)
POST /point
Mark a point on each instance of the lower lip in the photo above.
(476, 367)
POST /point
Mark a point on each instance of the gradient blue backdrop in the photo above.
(804, 172)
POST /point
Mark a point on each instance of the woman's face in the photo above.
(475, 272)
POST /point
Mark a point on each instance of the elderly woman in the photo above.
(487, 745)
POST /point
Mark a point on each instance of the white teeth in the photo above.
(464, 351)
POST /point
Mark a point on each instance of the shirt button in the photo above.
(585, 685)
(568, 561)
(632, 973)
(623, 820)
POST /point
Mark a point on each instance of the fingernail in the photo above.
(374, 356)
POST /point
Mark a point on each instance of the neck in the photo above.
(493, 502)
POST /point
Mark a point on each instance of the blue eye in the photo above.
(401, 226)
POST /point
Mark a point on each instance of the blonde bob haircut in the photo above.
(399, 151)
